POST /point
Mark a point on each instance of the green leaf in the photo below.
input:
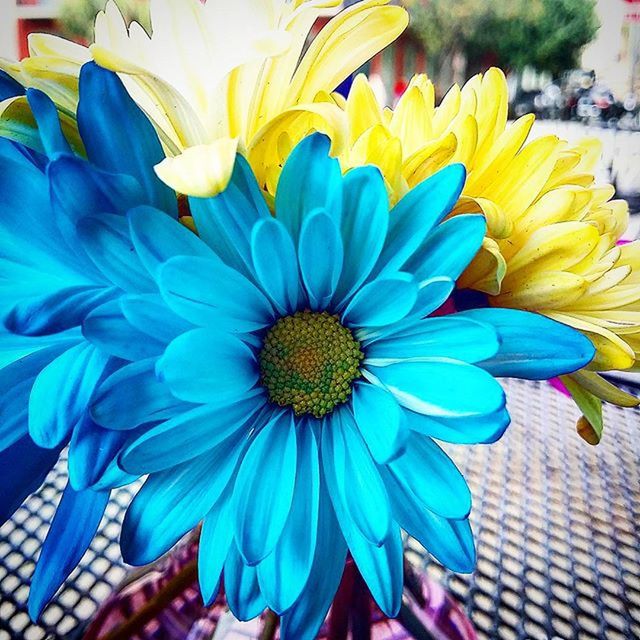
(590, 425)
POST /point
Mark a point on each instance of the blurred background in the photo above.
(557, 522)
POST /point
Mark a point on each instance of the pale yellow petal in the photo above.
(202, 171)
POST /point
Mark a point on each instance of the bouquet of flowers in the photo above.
(272, 302)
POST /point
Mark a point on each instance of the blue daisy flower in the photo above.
(299, 387)
(53, 273)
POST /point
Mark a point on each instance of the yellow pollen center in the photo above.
(309, 362)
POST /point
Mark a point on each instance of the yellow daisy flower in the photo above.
(551, 245)
(214, 77)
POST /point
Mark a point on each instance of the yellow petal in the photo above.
(363, 110)
(429, 159)
(447, 111)
(494, 160)
(411, 122)
(297, 122)
(348, 41)
(620, 296)
(498, 225)
(555, 248)
(542, 291)
(487, 270)
(202, 171)
(491, 113)
(467, 135)
(519, 183)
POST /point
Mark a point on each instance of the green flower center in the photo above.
(309, 362)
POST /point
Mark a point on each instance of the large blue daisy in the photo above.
(53, 273)
(295, 387)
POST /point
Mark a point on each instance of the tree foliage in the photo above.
(77, 17)
(546, 34)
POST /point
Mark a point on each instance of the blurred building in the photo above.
(615, 53)
(19, 18)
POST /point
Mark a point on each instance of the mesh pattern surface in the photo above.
(556, 523)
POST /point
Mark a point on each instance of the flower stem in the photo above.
(160, 601)
(270, 625)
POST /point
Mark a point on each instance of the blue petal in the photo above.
(189, 434)
(310, 180)
(46, 115)
(108, 328)
(441, 387)
(379, 564)
(132, 396)
(382, 302)
(201, 365)
(241, 587)
(284, 572)
(411, 220)
(74, 525)
(108, 121)
(58, 311)
(107, 241)
(172, 502)
(264, 488)
(276, 264)
(449, 541)
(226, 221)
(79, 189)
(208, 293)
(380, 420)
(320, 254)
(61, 393)
(113, 477)
(484, 429)
(91, 450)
(426, 471)
(157, 237)
(149, 313)
(24, 192)
(304, 618)
(216, 539)
(365, 221)
(19, 377)
(449, 249)
(23, 468)
(9, 88)
(14, 347)
(446, 337)
(432, 294)
(532, 346)
(357, 484)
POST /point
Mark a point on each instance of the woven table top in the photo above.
(557, 527)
